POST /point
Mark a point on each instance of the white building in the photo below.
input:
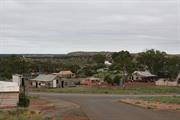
(107, 63)
(17, 78)
(49, 81)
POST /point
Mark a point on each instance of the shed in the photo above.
(9, 94)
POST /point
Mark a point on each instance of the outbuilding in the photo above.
(9, 94)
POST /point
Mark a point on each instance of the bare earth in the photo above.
(57, 109)
(151, 105)
(103, 107)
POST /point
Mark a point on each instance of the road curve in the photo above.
(106, 107)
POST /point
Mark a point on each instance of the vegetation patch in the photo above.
(163, 99)
(155, 102)
(117, 90)
(20, 114)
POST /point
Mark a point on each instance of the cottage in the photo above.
(9, 94)
(47, 81)
(65, 74)
(92, 81)
(143, 76)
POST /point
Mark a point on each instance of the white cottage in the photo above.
(48, 81)
(9, 94)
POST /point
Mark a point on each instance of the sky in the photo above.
(62, 26)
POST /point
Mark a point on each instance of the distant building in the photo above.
(65, 74)
(52, 81)
(9, 94)
(166, 82)
(92, 81)
(47, 81)
(143, 76)
(107, 63)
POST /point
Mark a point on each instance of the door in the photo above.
(62, 84)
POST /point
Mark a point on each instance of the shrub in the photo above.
(23, 100)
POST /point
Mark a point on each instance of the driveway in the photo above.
(106, 107)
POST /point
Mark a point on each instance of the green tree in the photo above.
(99, 58)
(108, 79)
(123, 61)
(153, 59)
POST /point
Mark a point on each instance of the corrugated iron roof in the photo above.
(43, 77)
(144, 73)
(8, 86)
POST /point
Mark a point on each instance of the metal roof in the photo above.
(144, 73)
(8, 87)
(45, 78)
(65, 72)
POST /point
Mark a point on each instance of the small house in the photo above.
(143, 76)
(47, 81)
(9, 94)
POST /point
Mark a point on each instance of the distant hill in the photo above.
(82, 53)
(71, 54)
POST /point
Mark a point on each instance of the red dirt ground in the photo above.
(151, 105)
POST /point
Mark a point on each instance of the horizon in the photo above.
(83, 52)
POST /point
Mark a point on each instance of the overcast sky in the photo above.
(61, 26)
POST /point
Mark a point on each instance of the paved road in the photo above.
(106, 107)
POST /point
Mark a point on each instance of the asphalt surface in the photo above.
(106, 107)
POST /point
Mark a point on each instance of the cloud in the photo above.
(60, 26)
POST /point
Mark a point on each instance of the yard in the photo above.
(114, 90)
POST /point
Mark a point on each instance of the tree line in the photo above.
(157, 62)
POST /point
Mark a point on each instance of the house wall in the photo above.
(166, 83)
(9, 99)
(17, 79)
(51, 84)
(54, 83)
(136, 77)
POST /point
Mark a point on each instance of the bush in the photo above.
(23, 100)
